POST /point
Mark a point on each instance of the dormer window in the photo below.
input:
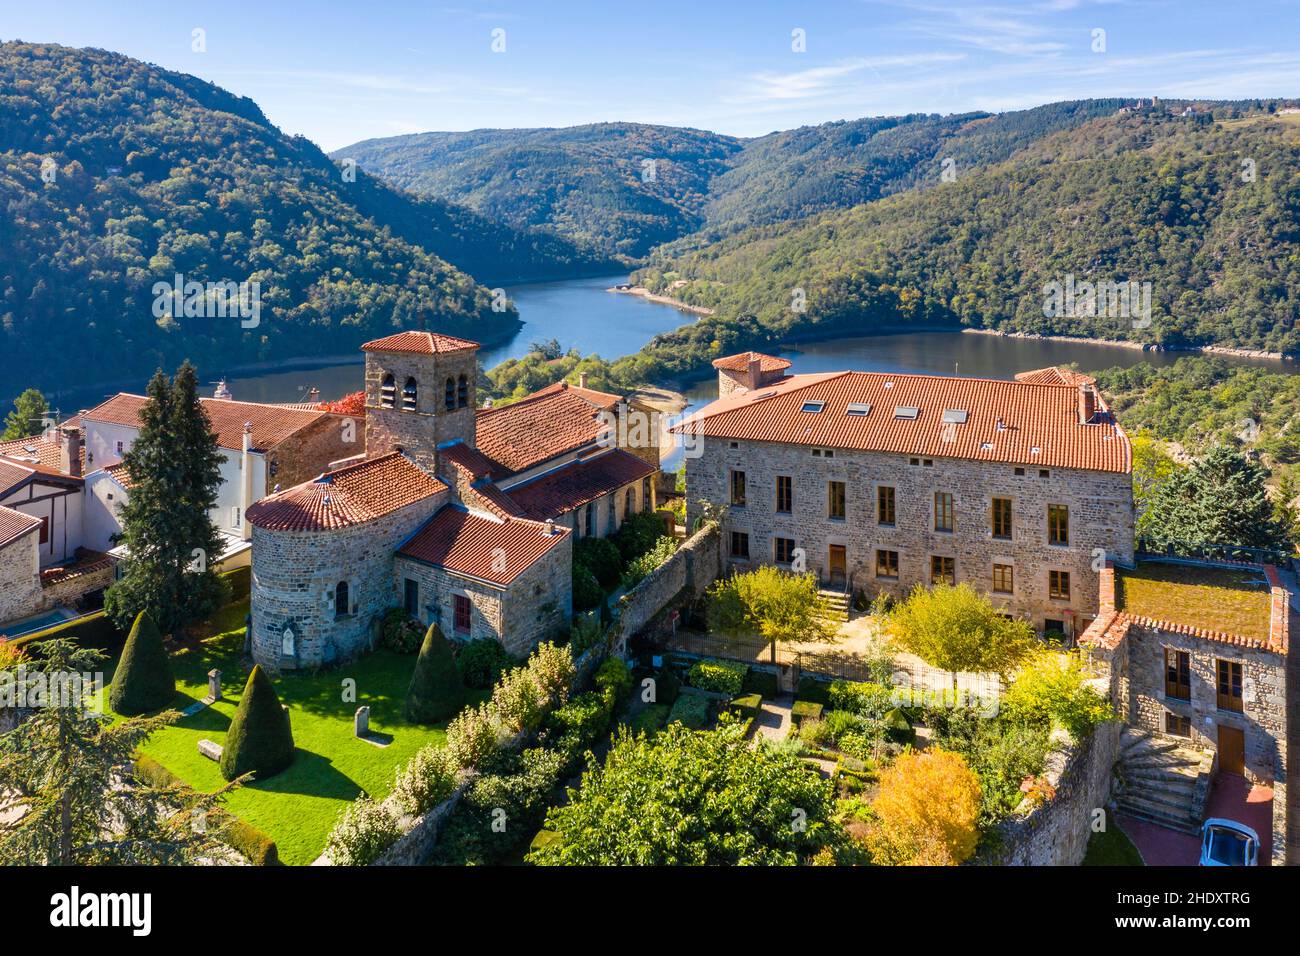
(388, 392)
(462, 392)
(449, 399)
(408, 395)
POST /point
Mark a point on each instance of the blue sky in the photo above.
(343, 71)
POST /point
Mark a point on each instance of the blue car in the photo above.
(1228, 843)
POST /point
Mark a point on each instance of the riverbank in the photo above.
(644, 293)
(1140, 346)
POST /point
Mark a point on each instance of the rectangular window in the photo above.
(1054, 628)
(738, 489)
(461, 605)
(1229, 675)
(1176, 725)
(784, 550)
(835, 499)
(1178, 674)
(784, 494)
(740, 545)
(1058, 585)
(943, 570)
(884, 505)
(234, 517)
(1002, 517)
(1058, 524)
(590, 519)
(886, 564)
(411, 595)
(943, 511)
(1004, 579)
(45, 530)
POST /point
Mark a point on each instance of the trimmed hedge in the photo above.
(260, 739)
(819, 691)
(692, 710)
(91, 630)
(863, 698)
(724, 677)
(805, 710)
(650, 720)
(762, 683)
(143, 681)
(436, 691)
(747, 705)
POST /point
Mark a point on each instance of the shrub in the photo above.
(1051, 690)
(472, 736)
(805, 710)
(260, 740)
(816, 731)
(641, 566)
(926, 811)
(551, 666)
(667, 686)
(692, 710)
(143, 681)
(763, 683)
(650, 719)
(601, 558)
(579, 723)
(613, 675)
(637, 535)
(427, 779)
(723, 677)
(517, 700)
(482, 661)
(365, 829)
(587, 592)
(814, 690)
(747, 705)
(586, 632)
(436, 691)
(863, 698)
(398, 633)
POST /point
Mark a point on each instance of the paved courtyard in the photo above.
(1233, 798)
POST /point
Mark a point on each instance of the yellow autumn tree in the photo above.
(926, 811)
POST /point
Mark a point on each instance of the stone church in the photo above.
(459, 515)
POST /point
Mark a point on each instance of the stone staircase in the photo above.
(1163, 781)
(837, 606)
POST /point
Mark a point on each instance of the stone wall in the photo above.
(1100, 517)
(20, 581)
(1056, 833)
(309, 451)
(295, 575)
(688, 573)
(419, 432)
(68, 591)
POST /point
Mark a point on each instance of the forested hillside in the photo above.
(117, 175)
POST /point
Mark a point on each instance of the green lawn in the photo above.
(1112, 848)
(297, 808)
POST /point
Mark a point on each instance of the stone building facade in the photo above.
(20, 580)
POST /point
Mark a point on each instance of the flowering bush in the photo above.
(552, 668)
(427, 779)
(472, 736)
(365, 829)
(517, 700)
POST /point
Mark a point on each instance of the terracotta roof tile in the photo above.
(272, 424)
(740, 363)
(491, 498)
(606, 400)
(120, 474)
(490, 549)
(536, 428)
(347, 496)
(87, 562)
(15, 524)
(42, 448)
(1041, 423)
(576, 484)
(423, 343)
(1054, 375)
(472, 461)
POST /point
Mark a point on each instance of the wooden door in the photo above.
(1232, 750)
(838, 563)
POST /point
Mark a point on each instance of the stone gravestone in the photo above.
(362, 722)
(210, 749)
(214, 687)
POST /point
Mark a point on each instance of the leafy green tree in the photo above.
(259, 740)
(436, 691)
(1151, 468)
(687, 797)
(28, 417)
(777, 604)
(69, 801)
(1220, 499)
(1053, 691)
(956, 628)
(170, 538)
(143, 681)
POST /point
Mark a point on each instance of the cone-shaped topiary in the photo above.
(259, 739)
(143, 681)
(436, 690)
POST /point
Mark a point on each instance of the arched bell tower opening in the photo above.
(421, 392)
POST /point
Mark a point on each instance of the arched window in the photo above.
(341, 599)
(462, 392)
(450, 398)
(408, 395)
(388, 392)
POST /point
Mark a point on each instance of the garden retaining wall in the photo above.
(683, 577)
(1056, 833)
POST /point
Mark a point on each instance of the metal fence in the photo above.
(1193, 551)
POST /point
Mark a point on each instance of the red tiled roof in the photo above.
(44, 449)
(493, 499)
(576, 484)
(120, 474)
(606, 400)
(15, 473)
(423, 343)
(471, 544)
(15, 524)
(1041, 422)
(272, 424)
(740, 363)
(1054, 375)
(87, 562)
(348, 496)
(536, 428)
(473, 462)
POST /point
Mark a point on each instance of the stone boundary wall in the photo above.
(1056, 833)
(689, 572)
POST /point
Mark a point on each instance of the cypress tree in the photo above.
(260, 739)
(437, 691)
(143, 681)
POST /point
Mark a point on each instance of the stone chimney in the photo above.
(313, 395)
(246, 482)
(70, 450)
(582, 379)
(754, 375)
(1087, 404)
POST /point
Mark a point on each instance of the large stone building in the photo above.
(878, 482)
(460, 515)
